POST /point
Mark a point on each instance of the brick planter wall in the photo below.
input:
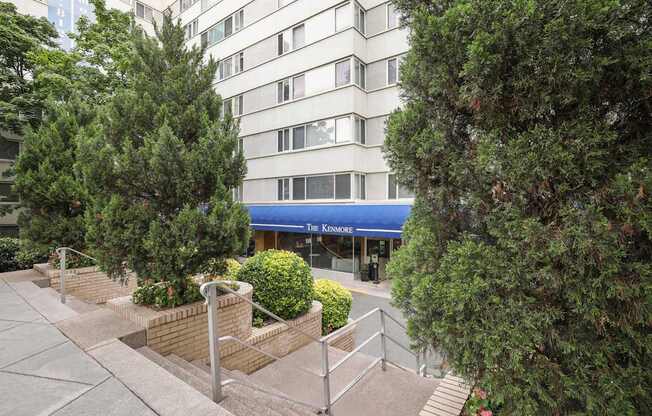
(90, 284)
(183, 331)
(345, 340)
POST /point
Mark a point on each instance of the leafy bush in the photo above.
(8, 250)
(222, 269)
(282, 282)
(163, 295)
(27, 257)
(336, 302)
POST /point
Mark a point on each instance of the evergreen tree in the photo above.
(527, 136)
(70, 84)
(160, 165)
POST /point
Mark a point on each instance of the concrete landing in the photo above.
(100, 325)
(394, 392)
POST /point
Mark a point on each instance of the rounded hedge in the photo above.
(336, 304)
(282, 282)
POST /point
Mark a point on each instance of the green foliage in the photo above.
(222, 269)
(527, 136)
(160, 165)
(481, 404)
(282, 282)
(70, 85)
(17, 256)
(162, 294)
(20, 36)
(336, 302)
(8, 249)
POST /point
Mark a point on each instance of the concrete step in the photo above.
(43, 301)
(164, 393)
(100, 325)
(449, 397)
(239, 399)
(394, 392)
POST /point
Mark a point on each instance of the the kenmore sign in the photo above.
(328, 228)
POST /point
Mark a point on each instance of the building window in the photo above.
(238, 193)
(320, 133)
(283, 140)
(396, 190)
(298, 137)
(299, 189)
(223, 29)
(227, 108)
(298, 36)
(343, 129)
(239, 62)
(343, 17)
(7, 194)
(360, 18)
(191, 29)
(144, 12)
(360, 74)
(360, 186)
(283, 91)
(239, 20)
(343, 186)
(9, 149)
(238, 105)
(392, 71)
(320, 187)
(283, 191)
(343, 73)
(360, 130)
(299, 86)
(392, 16)
(226, 68)
(283, 40)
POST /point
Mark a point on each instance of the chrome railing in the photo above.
(209, 291)
(61, 252)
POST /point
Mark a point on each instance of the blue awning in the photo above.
(384, 221)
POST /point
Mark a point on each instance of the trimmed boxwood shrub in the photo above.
(336, 302)
(282, 282)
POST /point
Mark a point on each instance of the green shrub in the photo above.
(8, 250)
(282, 282)
(27, 257)
(232, 269)
(162, 294)
(222, 269)
(336, 302)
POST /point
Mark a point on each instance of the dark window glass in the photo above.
(228, 27)
(343, 186)
(280, 140)
(299, 138)
(319, 187)
(391, 186)
(6, 194)
(299, 188)
(280, 44)
(279, 191)
(9, 149)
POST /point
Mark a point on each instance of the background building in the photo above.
(312, 83)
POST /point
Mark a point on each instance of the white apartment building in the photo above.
(312, 83)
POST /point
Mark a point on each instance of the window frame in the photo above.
(294, 29)
(396, 71)
(283, 189)
(283, 88)
(294, 90)
(397, 189)
(348, 60)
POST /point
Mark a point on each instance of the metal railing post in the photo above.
(214, 346)
(62, 276)
(383, 342)
(418, 362)
(326, 377)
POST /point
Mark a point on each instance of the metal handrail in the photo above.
(61, 251)
(209, 292)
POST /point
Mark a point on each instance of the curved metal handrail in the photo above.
(61, 252)
(61, 249)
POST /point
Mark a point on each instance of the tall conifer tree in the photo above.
(161, 164)
(527, 135)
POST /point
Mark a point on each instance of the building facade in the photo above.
(312, 84)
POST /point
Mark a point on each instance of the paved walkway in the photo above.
(41, 371)
(382, 289)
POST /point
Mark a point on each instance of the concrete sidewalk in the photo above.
(42, 372)
(383, 289)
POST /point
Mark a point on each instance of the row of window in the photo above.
(224, 28)
(339, 186)
(339, 130)
(295, 87)
(335, 186)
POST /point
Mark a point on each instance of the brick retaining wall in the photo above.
(344, 341)
(91, 285)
